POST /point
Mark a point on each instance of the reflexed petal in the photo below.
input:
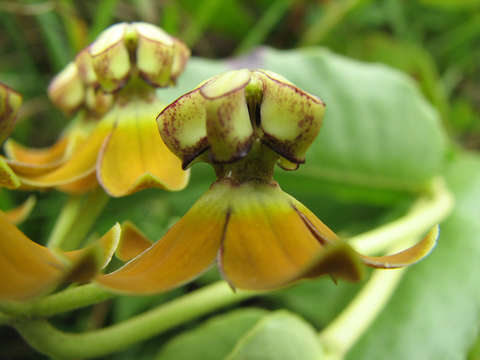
(29, 269)
(20, 213)
(135, 157)
(8, 179)
(266, 243)
(82, 185)
(103, 249)
(398, 260)
(31, 162)
(80, 165)
(186, 250)
(407, 257)
(20, 153)
(132, 242)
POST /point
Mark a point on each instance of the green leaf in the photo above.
(279, 336)
(434, 312)
(380, 136)
(214, 339)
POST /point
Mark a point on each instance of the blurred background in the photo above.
(435, 42)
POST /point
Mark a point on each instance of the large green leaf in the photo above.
(434, 313)
(279, 336)
(379, 132)
(213, 340)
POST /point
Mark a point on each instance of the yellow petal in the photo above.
(8, 179)
(406, 257)
(132, 242)
(82, 185)
(135, 157)
(266, 243)
(186, 250)
(398, 260)
(80, 165)
(102, 249)
(27, 269)
(20, 213)
(41, 156)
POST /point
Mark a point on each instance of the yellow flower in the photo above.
(243, 123)
(114, 139)
(30, 270)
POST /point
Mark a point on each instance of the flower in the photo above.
(10, 102)
(243, 123)
(113, 140)
(30, 270)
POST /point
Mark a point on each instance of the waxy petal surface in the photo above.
(80, 165)
(20, 213)
(29, 269)
(134, 157)
(186, 250)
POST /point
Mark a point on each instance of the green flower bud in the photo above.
(230, 113)
(67, 90)
(120, 53)
(10, 102)
(110, 57)
(160, 58)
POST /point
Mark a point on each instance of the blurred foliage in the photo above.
(434, 42)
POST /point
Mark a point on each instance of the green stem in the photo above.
(206, 12)
(344, 331)
(338, 337)
(334, 13)
(63, 301)
(263, 26)
(76, 219)
(427, 211)
(48, 340)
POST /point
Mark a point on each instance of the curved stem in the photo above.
(427, 211)
(76, 219)
(338, 337)
(341, 335)
(63, 301)
(48, 340)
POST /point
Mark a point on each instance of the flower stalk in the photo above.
(337, 338)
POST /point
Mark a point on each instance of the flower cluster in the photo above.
(242, 122)
(113, 140)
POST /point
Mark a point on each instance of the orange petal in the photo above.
(40, 156)
(266, 243)
(29, 269)
(20, 213)
(8, 179)
(186, 250)
(82, 185)
(135, 157)
(80, 165)
(406, 257)
(104, 248)
(132, 242)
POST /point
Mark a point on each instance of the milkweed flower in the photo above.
(30, 270)
(244, 122)
(114, 139)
